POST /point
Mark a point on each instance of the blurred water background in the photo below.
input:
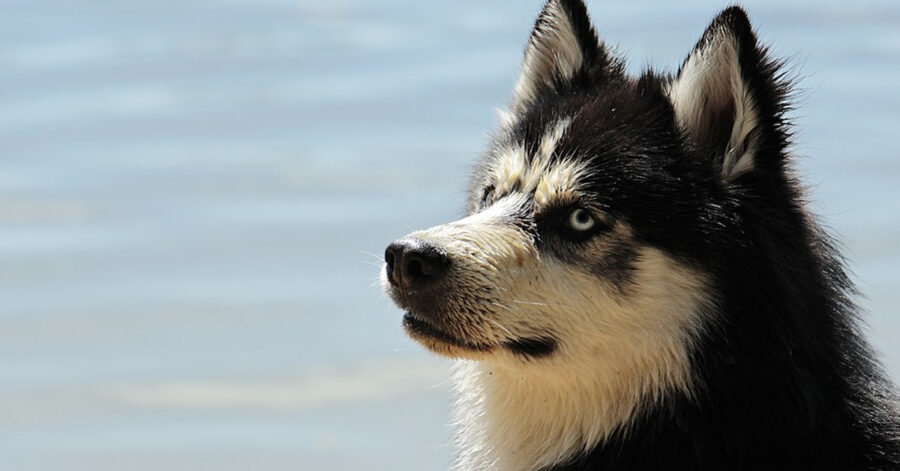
(194, 197)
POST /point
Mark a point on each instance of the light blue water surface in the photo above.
(194, 197)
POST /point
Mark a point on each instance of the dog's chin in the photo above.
(442, 342)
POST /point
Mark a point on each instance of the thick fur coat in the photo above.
(638, 284)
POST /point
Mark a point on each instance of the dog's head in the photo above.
(592, 217)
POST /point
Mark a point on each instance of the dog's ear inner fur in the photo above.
(563, 50)
(721, 91)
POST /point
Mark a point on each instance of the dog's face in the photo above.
(590, 214)
(556, 256)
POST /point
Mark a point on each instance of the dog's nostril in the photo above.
(391, 254)
(411, 261)
(389, 259)
(423, 263)
(414, 269)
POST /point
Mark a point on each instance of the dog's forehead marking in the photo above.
(552, 136)
(548, 179)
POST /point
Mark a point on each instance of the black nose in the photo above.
(411, 263)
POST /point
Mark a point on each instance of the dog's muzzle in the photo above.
(421, 281)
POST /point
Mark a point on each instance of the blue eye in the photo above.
(581, 220)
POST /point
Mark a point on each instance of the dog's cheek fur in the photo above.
(616, 355)
(610, 256)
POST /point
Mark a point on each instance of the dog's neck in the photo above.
(511, 418)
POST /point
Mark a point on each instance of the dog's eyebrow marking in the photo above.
(547, 178)
(552, 137)
(561, 182)
(512, 169)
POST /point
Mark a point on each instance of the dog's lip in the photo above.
(419, 327)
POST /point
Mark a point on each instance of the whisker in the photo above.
(501, 327)
(502, 305)
(371, 263)
(536, 303)
(375, 282)
(375, 256)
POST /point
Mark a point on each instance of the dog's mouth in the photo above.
(428, 334)
(440, 341)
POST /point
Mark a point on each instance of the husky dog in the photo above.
(637, 283)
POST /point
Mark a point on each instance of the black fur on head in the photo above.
(697, 165)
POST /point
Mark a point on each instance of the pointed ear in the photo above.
(563, 45)
(726, 96)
